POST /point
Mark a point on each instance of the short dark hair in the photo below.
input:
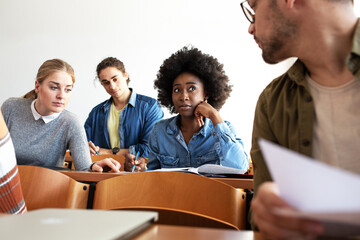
(111, 62)
(204, 66)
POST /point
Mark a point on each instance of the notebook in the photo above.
(208, 170)
(75, 224)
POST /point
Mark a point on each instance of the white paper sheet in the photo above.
(319, 191)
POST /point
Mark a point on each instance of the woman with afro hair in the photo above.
(195, 86)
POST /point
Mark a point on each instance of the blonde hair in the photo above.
(48, 68)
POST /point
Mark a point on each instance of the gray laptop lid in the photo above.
(75, 224)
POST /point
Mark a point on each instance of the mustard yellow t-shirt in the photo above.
(113, 126)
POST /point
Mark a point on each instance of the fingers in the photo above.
(139, 164)
(93, 149)
(200, 122)
(107, 164)
(280, 226)
(92, 145)
(205, 110)
(199, 116)
(116, 165)
(111, 165)
(134, 165)
(129, 162)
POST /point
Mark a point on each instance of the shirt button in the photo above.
(214, 134)
(306, 142)
(194, 139)
(308, 99)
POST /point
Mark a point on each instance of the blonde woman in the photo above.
(42, 130)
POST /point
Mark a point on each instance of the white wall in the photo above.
(141, 33)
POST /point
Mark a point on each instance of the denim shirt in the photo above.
(135, 124)
(215, 145)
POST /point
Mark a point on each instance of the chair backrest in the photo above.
(180, 198)
(46, 188)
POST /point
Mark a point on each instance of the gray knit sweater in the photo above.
(40, 144)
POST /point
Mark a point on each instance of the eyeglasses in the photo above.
(248, 11)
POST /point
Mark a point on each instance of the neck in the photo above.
(189, 124)
(39, 108)
(122, 100)
(325, 50)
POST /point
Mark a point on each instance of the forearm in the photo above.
(235, 157)
(142, 148)
(80, 152)
(216, 118)
(230, 149)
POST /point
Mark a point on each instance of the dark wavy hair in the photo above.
(111, 62)
(204, 66)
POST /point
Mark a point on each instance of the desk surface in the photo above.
(96, 177)
(165, 232)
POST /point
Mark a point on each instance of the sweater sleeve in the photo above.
(78, 146)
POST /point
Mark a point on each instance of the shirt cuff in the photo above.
(222, 130)
(132, 150)
(90, 168)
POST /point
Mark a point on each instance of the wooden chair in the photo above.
(46, 188)
(180, 198)
(68, 160)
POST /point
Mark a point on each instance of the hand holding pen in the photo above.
(134, 166)
(94, 150)
(134, 163)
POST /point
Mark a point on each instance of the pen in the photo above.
(137, 156)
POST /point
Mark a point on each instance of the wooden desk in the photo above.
(165, 232)
(96, 177)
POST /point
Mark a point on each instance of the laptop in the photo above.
(76, 224)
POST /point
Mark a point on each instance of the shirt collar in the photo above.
(132, 101)
(37, 116)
